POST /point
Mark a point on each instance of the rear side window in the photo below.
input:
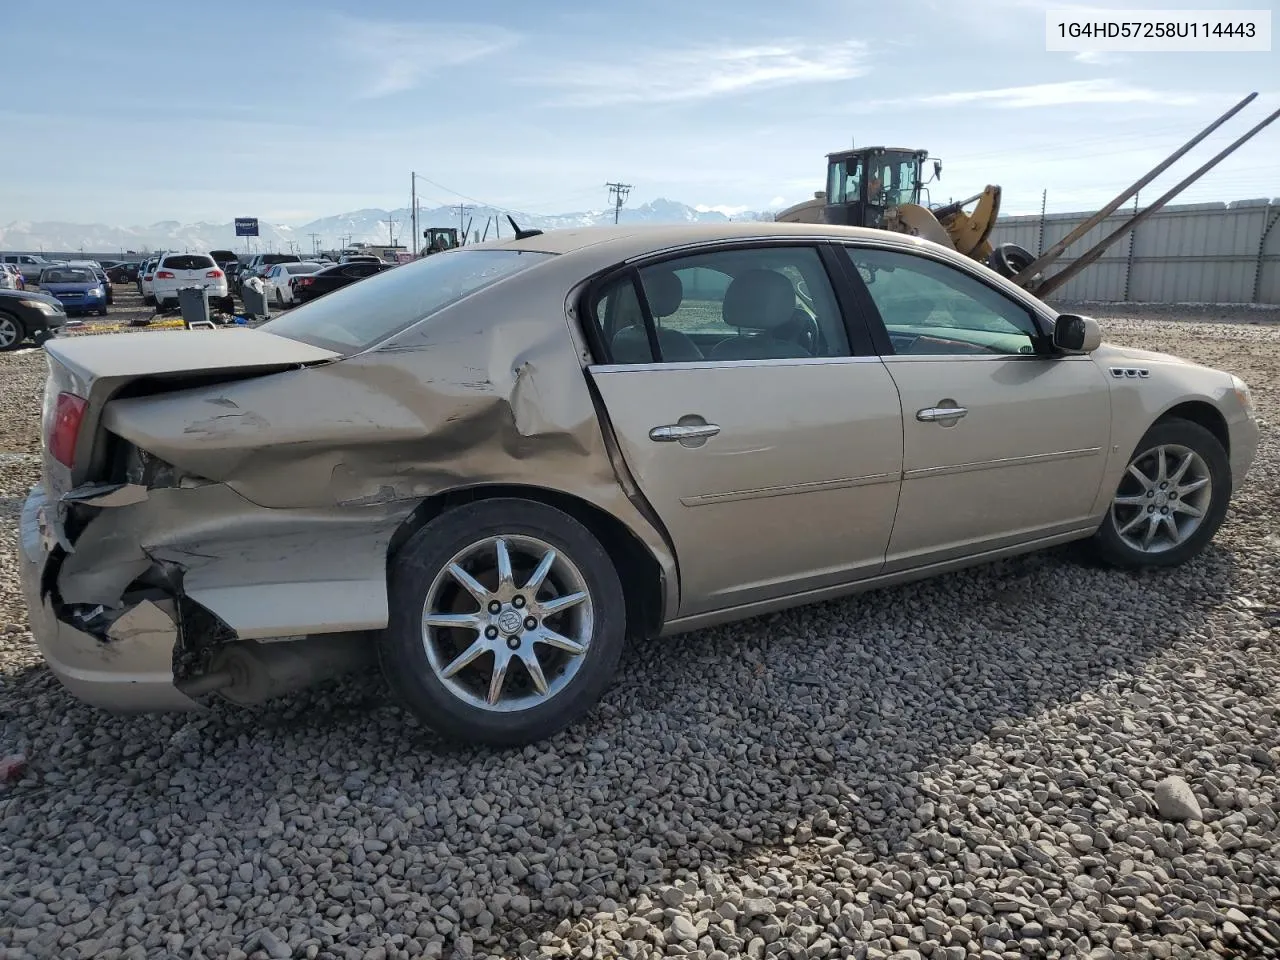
(355, 317)
(189, 261)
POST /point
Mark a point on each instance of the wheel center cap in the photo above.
(510, 621)
(1162, 499)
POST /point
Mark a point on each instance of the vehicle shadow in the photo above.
(713, 748)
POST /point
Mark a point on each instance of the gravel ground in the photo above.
(971, 767)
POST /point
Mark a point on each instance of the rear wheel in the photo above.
(12, 331)
(1009, 259)
(1171, 500)
(507, 622)
(279, 298)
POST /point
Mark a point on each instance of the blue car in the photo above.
(78, 289)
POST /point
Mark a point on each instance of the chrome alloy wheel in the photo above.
(1162, 499)
(507, 622)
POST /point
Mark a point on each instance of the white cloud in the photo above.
(1097, 57)
(391, 57)
(701, 72)
(1060, 94)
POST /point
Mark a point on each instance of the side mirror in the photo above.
(1076, 334)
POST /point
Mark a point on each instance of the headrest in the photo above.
(664, 290)
(759, 300)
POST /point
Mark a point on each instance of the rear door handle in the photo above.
(933, 414)
(672, 432)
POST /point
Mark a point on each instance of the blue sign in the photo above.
(246, 226)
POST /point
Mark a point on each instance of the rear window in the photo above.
(189, 261)
(355, 317)
(303, 267)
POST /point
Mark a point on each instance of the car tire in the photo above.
(12, 332)
(574, 650)
(279, 299)
(102, 311)
(1196, 478)
(149, 300)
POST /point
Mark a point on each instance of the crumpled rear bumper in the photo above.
(130, 674)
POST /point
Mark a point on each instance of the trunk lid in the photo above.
(97, 369)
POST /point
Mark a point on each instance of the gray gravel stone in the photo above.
(1175, 801)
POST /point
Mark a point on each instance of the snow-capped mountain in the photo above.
(368, 226)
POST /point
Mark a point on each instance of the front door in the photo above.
(1001, 445)
(770, 454)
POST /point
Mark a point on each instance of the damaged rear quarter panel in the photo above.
(314, 468)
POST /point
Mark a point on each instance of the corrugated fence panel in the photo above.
(1193, 253)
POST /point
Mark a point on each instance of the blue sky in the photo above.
(294, 110)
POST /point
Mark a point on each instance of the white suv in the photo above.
(178, 270)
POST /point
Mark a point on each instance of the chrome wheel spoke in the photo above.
(1193, 486)
(1134, 500)
(530, 661)
(1162, 465)
(1153, 524)
(1172, 525)
(468, 656)
(1139, 518)
(553, 639)
(1190, 509)
(539, 575)
(505, 579)
(463, 621)
(1178, 474)
(1141, 477)
(560, 604)
(469, 584)
(501, 660)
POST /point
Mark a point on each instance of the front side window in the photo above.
(844, 181)
(355, 317)
(765, 303)
(932, 308)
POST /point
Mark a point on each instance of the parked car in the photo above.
(177, 270)
(103, 279)
(259, 263)
(28, 315)
(126, 272)
(11, 277)
(30, 264)
(146, 281)
(279, 277)
(328, 279)
(79, 289)
(504, 459)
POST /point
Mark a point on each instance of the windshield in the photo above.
(68, 275)
(356, 317)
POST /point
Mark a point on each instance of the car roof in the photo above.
(628, 241)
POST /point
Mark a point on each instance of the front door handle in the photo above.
(673, 432)
(934, 414)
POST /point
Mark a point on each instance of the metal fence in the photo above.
(1193, 253)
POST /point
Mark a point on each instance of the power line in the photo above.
(618, 193)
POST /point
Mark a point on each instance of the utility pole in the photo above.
(413, 209)
(315, 242)
(462, 212)
(391, 237)
(618, 193)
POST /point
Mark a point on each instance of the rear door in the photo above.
(1002, 444)
(770, 450)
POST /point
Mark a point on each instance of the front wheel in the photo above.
(507, 622)
(11, 331)
(1171, 500)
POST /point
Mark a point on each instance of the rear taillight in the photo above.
(214, 274)
(68, 414)
(307, 281)
(164, 275)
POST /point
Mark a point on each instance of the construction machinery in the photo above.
(439, 239)
(881, 187)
